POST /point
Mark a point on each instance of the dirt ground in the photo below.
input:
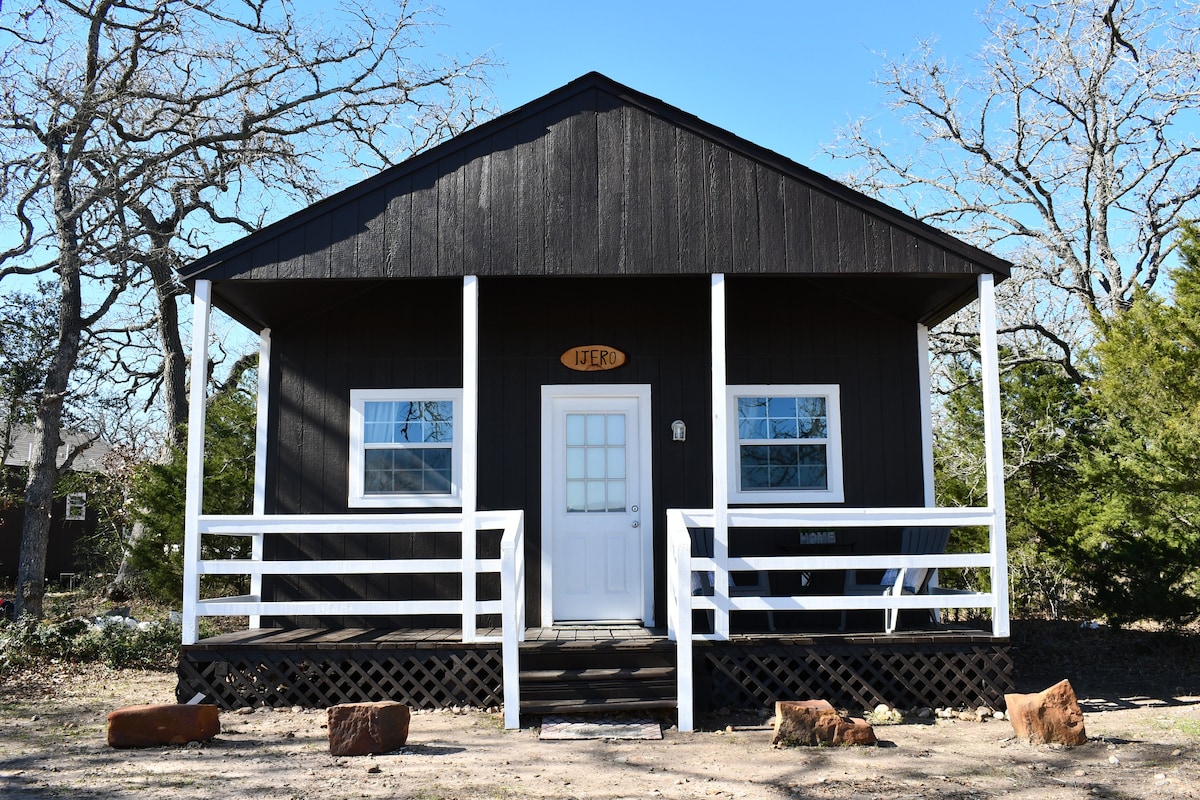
(1143, 725)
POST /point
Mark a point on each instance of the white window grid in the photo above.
(359, 497)
(833, 492)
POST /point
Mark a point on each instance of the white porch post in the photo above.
(925, 384)
(468, 429)
(258, 541)
(201, 317)
(993, 451)
(720, 463)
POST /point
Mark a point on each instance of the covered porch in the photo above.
(489, 646)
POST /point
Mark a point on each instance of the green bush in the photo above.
(28, 643)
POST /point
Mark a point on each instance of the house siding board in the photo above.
(266, 258)
(500, 254)
(450, 217)
(717, 199)
(559, 179)
(532, 210)
(851, 240)
(612, 177)
(398, 227)
(878, 241)
(371, 241)
(344, 236)
(665, 198)
(290, 263)
(317, 240)
(798, 228)
(423, 240)
(744, 216)
(823, 220)
(772, 238)
(585, 187)
(690, 215)
(637, 226)
(476, 208)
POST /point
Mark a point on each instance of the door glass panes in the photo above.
(782, 443)
(596, 451)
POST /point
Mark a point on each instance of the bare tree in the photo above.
(1070, 145)
(134, 131)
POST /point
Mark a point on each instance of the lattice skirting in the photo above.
(855, 676)
(321, 678)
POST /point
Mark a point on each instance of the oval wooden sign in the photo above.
(592, 358)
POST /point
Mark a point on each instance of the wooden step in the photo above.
(592, 675)
(593, 706)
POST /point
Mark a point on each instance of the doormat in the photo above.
(589, 727)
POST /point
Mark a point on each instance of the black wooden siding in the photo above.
(407, 334)
(590, 182)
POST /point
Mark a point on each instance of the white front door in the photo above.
(596, 518)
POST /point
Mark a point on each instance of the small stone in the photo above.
(296, 709)
(925, 713)
(374, 769)
(883, 710)
(1176, 752)
(1162, 776)
(244, 710)
(998, 715)
(1114, 760)
(1080, 773)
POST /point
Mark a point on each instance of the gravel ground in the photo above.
(53, 726)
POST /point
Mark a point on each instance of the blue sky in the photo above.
(785, 75)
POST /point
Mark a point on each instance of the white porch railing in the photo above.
(510, 565)
(681, 602)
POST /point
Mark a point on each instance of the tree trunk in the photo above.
(174, 366)
(43, 464)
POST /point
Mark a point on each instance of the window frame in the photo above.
(834, 491)
(358, 498)
(75, 508)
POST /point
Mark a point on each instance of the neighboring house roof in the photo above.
(90, 460)
(592, 179)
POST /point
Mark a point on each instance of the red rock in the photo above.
(816, 722)
(157, 725)
(1050, 716)
(359, 729)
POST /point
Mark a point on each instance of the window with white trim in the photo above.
(404, 448)
(785, 444)
(76, 506)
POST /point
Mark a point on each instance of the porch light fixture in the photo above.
(678, 431)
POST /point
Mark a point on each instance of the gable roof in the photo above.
(90, 459)
(594, 178)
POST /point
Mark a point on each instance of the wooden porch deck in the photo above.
(382, 638)
(593, 667)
